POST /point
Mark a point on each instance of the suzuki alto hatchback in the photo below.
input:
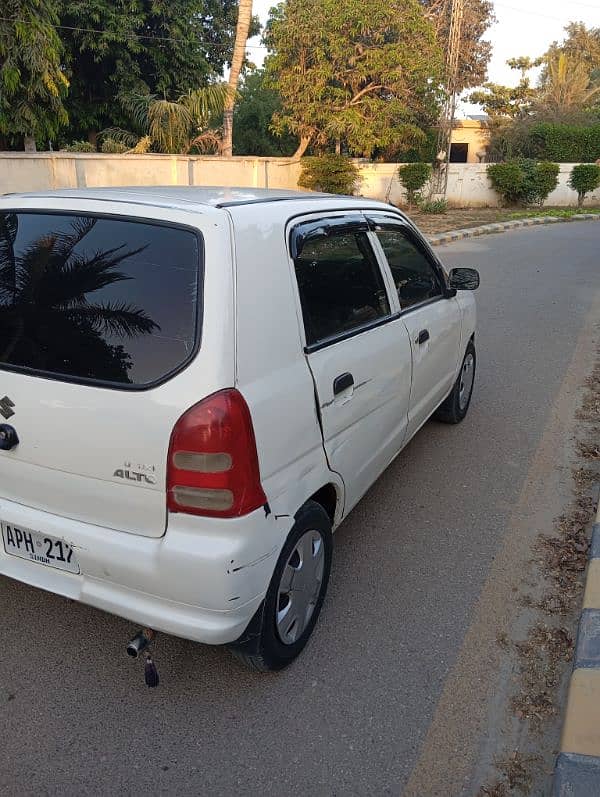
(198, 385)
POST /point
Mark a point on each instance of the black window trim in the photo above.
(322, 344)
(338, 225)
(412, 234)
(393, 222)
(326, 226)
(351, 333)
(424, 303)
(99, 383)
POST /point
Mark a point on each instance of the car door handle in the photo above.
(342, 382)
(423, 336)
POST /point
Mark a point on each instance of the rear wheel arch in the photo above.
(261, 647)
(330, 498)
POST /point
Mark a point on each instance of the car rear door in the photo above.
(431, 314)
(357, 347)
(100, 322)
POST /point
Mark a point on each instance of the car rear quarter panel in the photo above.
(271, 368)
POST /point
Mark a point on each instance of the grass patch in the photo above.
(557, 213)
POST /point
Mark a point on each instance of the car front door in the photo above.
(430, 312)
(357, 347)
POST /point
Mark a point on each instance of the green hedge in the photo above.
(112, 147)
(79, 146)
(585, 177)
(523, 181)
(413, 177)
(563, 143)
(333, 174)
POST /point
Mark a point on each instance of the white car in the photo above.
(198, 385)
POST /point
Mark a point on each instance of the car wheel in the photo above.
(283, 624)
(456, 406)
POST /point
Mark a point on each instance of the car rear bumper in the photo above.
(203, 580)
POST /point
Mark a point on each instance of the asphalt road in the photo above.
(354, 715)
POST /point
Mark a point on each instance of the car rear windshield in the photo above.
(97, 299)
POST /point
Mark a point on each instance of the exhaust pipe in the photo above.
(140, 642)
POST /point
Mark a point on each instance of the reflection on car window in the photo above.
(340, 284)
(95, 298)
(414, 276)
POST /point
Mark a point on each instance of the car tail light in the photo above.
(213, 464)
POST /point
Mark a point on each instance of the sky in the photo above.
(524, 27)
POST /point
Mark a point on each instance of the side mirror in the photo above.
(464, 279)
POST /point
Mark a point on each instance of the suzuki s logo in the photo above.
(6, 407)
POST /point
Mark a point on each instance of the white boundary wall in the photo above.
(468, 185)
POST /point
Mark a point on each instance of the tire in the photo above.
(266, 645)
(456, 406)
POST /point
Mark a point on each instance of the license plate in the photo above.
(37, 547)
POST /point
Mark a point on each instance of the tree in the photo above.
(582, 42)
(509, 101)
(239, 52)
(32, 83)
(584, 177)
(144, 46)
(524, 64)
(475, 52)
(567, 85)
(364, 71)
(176, 126)
(550, 119)
(254, 111)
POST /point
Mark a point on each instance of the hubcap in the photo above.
(299, 587)
(466, 380)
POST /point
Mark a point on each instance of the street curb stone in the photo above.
(576, 775)
(595, 544)
(577, 772)
(488, 229)
(587, 650)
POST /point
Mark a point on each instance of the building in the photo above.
(470, 138)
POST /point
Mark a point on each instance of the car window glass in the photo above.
(414, 276)
(97, 299)
(340, 284)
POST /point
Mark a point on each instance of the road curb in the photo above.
(504, 226)
(577, 772)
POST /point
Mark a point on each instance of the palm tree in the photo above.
(567, 85)
(176, 126)
(45, 295)
(239, 53)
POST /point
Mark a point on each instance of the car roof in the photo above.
(283, 203)
(183, 196)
